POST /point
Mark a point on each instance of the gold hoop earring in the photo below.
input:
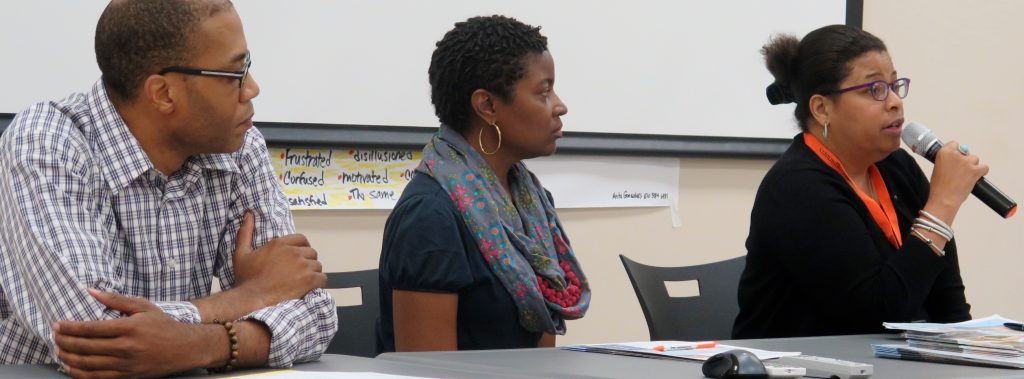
(480, 139)
(824, 135)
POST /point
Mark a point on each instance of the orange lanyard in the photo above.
(884, 213)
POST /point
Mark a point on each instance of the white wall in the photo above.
(365, 62)
(965, 62)
(964, 59)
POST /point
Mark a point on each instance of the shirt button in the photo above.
(172, 265)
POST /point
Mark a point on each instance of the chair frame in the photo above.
(357, 324)
(708, 316)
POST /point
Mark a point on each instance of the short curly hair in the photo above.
(137, 38)
(486, 52)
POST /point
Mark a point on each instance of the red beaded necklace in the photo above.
(566, 297)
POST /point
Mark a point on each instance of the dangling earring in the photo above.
(825, 134)
(480, 139)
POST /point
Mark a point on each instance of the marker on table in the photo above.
(1014, 326)
(698, 345)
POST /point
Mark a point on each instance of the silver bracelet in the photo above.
(936, 220)
(929, 242)
(928, 225)
(938, 225)
(931, 229)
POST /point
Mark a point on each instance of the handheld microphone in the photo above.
(924, 143)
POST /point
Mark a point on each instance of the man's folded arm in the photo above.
(300, 330)
(55, 246)
(300, 327)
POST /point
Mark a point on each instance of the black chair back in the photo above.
(708, 316)
(357, 324)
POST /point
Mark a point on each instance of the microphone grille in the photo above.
(917, 137)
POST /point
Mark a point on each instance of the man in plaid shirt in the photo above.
(119, 206)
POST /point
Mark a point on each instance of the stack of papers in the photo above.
(672, 350)
(981, 342)
(293, 374)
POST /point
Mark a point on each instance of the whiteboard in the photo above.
(641, 66)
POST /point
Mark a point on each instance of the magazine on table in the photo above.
(906, 352)
(932, 327)
(988, 333)
(984, 341)
(945, 346)
(699, 351)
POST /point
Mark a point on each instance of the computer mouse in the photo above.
(734, 364)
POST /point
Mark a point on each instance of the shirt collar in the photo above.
(222, 162)
(123, 159)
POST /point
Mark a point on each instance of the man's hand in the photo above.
(285, 268)
(146, 342)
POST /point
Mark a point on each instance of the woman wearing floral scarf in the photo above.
(474, 256)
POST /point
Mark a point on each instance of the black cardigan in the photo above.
(818, 264)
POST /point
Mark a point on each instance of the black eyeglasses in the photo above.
(240, 75)
(879, 89)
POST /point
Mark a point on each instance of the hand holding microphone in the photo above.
(956, 173)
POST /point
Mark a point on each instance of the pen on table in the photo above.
(699, 345)
(1014, 326)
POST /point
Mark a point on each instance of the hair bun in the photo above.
(779, 94)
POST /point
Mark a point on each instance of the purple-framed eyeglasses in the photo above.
(879, 89)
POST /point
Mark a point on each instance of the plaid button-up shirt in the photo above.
(82, 206)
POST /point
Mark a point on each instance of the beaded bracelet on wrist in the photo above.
(229, 327)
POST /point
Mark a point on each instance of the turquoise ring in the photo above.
(963, 149)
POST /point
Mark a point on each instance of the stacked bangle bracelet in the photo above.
(927, 221)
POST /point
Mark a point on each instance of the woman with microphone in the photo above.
(846, 231)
